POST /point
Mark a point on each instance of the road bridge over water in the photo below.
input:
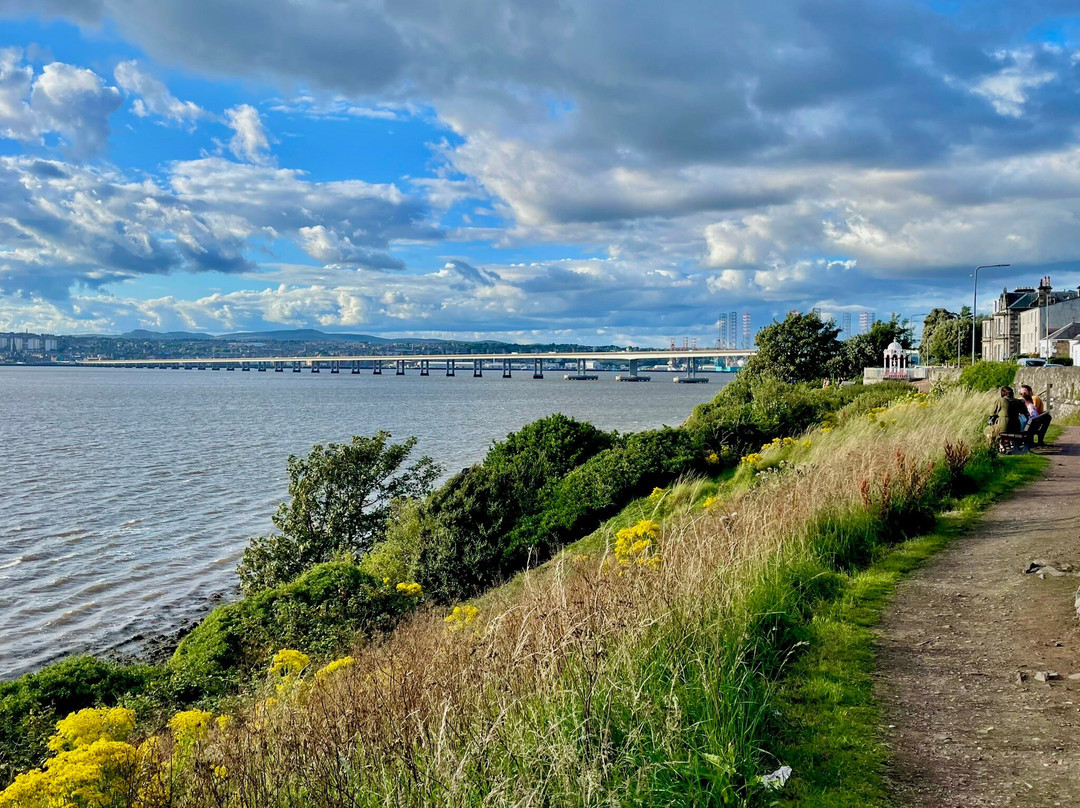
(690, 359)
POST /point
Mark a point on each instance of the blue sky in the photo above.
(603, 171)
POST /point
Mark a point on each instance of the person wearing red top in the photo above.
(1038, 418)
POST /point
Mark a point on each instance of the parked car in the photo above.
(1030, 362)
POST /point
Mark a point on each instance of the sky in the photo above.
(609, 171)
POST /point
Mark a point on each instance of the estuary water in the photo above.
(127, 496)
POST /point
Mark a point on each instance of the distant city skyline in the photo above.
(593, 172)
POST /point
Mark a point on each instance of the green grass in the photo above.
(830, 721)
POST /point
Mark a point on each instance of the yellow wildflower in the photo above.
(288, 662)
(223, 721)
(190, 725)
(807, 444)
(221, 772)
(336, 665)
(708, 503)
(461, 616)
(712, 458)
(87, 726)
(825, 430)
(633, 544)
(411, 589)
(752, 458)
(657, 493)
(90, 774)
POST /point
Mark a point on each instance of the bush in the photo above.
(988, 375)
(31, 705)
(320, 612)
(467, 535)
(341, 496)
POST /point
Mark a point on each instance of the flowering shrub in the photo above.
(633, 545)
(712, 459)
(461, 616)
(657, 494)
(336, 665)
(190, 726)
(411, 589)
(752, 458)
(86, 726)
(91, 767)
(288, 663)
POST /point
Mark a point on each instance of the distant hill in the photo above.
(305, 335)
(143, 334)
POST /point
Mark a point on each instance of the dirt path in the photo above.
(961, 644)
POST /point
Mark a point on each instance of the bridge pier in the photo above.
(581, 375)
(245, 367)
(355, 368)
(425, 369)
(295, 367)
(400, 368)
(633, 376)
(478, 368)
(376, 368)
(691, 376)
(335, 367)
(538, 368)
(262, 367)
(279, 367)
(314, 367)
(450, 367)
(506, 369)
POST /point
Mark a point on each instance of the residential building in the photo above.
(1037, 323)
(1005, 335)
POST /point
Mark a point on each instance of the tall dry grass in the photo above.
(600, 683)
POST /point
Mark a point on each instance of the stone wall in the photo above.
(1065, 387)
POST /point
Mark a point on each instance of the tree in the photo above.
(867, 349)
(798, 349)
(341, 498)
(940, 345)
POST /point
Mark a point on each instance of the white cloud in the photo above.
(68, 101)
(1009, 88)
(249, 141)
(153, 97)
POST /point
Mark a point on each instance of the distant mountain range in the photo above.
(289, 335)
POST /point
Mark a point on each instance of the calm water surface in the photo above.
(127, 495)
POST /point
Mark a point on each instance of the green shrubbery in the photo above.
(988, 375)
(322, 611)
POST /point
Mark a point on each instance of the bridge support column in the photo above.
(477, 368)
(400, 368)
(295, 367)
(335, 367)
(246, 366)
(450, 367)
(314, 367)
(262, 367)
(279, 367)
(425, 368)
(538, 368)
(506, 369)
(355, 369)
(376, 368)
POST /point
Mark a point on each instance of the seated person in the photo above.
(1038, 418)
(1008, 413)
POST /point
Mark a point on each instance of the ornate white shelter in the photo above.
(896, 362)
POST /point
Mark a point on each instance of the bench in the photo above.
(1013, 443)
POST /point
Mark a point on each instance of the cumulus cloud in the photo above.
(152, 97)
(63, 100)
(65, 225)
(249, 141)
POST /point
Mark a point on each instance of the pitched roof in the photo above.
(1070, 331)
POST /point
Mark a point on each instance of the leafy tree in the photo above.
(866, 350)
(798, 349)
(341, 497)
(940, 345)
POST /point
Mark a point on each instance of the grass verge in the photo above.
(826, 706)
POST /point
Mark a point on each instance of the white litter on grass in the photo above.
(776, 780)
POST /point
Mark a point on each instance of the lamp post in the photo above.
(922, 331)
(975, 303)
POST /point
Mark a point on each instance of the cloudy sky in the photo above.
(591, 170)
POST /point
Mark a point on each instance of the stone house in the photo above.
(1002, 332)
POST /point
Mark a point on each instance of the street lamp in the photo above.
(922, 331)
(975, 302)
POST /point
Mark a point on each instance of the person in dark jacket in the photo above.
(1009, 412)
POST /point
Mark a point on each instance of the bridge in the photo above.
(375, 363)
